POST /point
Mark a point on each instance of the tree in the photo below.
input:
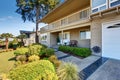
(34, 10)
(6, 36)
(22, 36)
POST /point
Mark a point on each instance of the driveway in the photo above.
(110, 70)
(94, 67)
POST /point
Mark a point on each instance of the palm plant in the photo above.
(6, 36)
(68, 71)
(34, 10)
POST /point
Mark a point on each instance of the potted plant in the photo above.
(58, 40)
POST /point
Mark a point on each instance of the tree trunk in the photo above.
(7, 42)
(36, 36)
(22, 42)
(37, 18)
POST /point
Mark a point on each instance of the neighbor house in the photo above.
(30, 37)
(93, 24)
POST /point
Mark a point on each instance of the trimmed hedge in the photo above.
(39, 70)
(82, 52)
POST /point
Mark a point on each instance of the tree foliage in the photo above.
(22, 36)
(28, 8)
(6, 35)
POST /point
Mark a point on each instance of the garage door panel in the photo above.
(111, 41)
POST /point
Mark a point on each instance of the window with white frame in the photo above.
(43, 37)
(99, 5)
(84, 14)
(113, 3)
(85, 35)
(63, 21)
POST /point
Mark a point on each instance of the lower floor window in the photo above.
(85, 35)
(43, 37)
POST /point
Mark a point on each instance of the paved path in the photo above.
(94, 67)
(82, 64)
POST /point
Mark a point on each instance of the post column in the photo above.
(62, 36)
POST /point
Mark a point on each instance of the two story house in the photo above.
(90, 22)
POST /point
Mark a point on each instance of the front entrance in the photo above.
(111, 39)
(65, 39)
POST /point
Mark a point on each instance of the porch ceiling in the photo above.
(68, 7)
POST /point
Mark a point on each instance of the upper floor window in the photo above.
(114, 3)
(63, 21)
(98, 5)
(84, 14)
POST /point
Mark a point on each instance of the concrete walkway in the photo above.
(81, 63)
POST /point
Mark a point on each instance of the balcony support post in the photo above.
(62, 36)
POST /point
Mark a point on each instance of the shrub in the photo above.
(55, 61)
(49, 52)
(39, 70)
(44, 46)
(82, 52)
(21, 51)
(18, 63)
(67, 71)
(33, 58)
(3, 77)
(10, 44)
(35, 49)
(21, 58)
(42, 52)
(45, 58)
(52, 58)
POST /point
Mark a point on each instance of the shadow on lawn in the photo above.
(12, 59)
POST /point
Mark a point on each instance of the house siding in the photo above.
(96, 29)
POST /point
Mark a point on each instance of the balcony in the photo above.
(78, 17)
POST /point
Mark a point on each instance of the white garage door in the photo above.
(111, 39)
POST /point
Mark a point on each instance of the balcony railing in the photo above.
(79, 16)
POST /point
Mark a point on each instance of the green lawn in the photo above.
(6, 61)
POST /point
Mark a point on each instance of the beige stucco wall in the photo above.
(75, 35)
(96, 29)
(53, 39)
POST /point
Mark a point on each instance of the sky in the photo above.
(10, 21)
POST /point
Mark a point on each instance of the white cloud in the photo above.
(6, 18)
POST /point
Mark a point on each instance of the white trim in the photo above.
(104, 25)
(112, 2)
(84, 31)
(105, 4)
